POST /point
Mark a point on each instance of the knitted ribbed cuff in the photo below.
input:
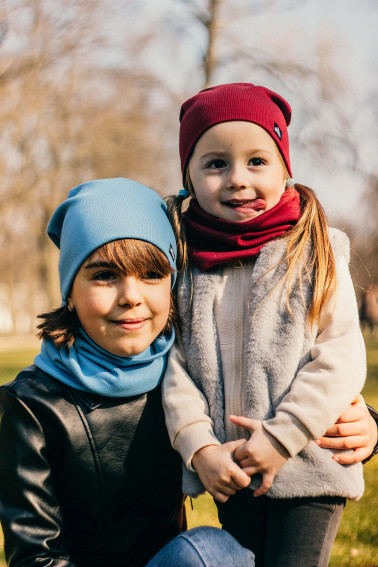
(289, 431)
(192, 438)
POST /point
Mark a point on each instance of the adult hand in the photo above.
(355, 429)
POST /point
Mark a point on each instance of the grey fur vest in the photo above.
(278, 346)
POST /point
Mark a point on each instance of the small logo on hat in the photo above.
(172, 252)
(277, 130)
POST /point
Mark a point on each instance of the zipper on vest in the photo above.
(239, 327)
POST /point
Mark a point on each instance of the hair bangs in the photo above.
(135, 257)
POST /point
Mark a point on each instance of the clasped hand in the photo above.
(224, 469)
(262, 453)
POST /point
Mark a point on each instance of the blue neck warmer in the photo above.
(87, 367)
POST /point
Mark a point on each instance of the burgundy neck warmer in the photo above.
(212, 241)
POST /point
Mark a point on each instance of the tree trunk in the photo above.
(212, 27)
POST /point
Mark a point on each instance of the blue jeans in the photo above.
(203, 547)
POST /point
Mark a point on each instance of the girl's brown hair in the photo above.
(132, 257)
(316, 265)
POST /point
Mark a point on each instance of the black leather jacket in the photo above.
(84, 480)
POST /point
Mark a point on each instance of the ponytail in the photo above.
(174, 204)
(319, 265)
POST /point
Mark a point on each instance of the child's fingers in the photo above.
(240, 478)
(348, 442)
(233, 446)
(218, 495)
(351, 442)
(355, 456)
(352, 414)
(342, 430)
(349, 429)
(233, 485)
(237, 479)
(266, 483)
(242, 455)
(356, 412)
(249, 424)
(247, 462)
(250, 470)
(222, 492)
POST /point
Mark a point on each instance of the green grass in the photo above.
(11, 362)
(356, 543)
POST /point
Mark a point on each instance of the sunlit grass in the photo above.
(2, 558)
(11, 362)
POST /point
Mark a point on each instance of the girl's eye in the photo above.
(216, 164)
(104, 276)
(256, 161)
(152, 276)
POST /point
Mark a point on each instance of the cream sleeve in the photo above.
(186, 410)
(328, 384)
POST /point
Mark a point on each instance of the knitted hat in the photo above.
(100, 211)
(235, 101)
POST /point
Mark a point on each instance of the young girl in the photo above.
(270, 332)
(87, 474)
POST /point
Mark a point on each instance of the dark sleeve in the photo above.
(29, 510)
(374, 415)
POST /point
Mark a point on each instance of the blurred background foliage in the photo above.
(92, 89)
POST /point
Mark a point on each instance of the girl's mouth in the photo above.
(130, 324)
(245, 205)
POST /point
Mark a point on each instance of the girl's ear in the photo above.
(70, 304)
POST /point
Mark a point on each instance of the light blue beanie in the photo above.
(100, 211)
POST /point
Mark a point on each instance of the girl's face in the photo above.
(237, 171)
(122, 314)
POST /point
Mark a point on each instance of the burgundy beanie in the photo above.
(235, 101)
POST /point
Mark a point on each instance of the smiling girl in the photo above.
(271, 351)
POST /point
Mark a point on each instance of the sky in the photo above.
(354, 25)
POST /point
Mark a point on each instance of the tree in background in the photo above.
(92, 90)
(65, 118)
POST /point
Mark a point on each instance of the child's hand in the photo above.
(218, 472)
(261, 454)
(355, 429)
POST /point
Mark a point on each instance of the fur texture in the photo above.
(278, 346)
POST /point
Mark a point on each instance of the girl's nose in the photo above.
(238, 177)
(129, 291)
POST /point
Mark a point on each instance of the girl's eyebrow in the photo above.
(224, 152)
(213, 153)
(99, 264)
